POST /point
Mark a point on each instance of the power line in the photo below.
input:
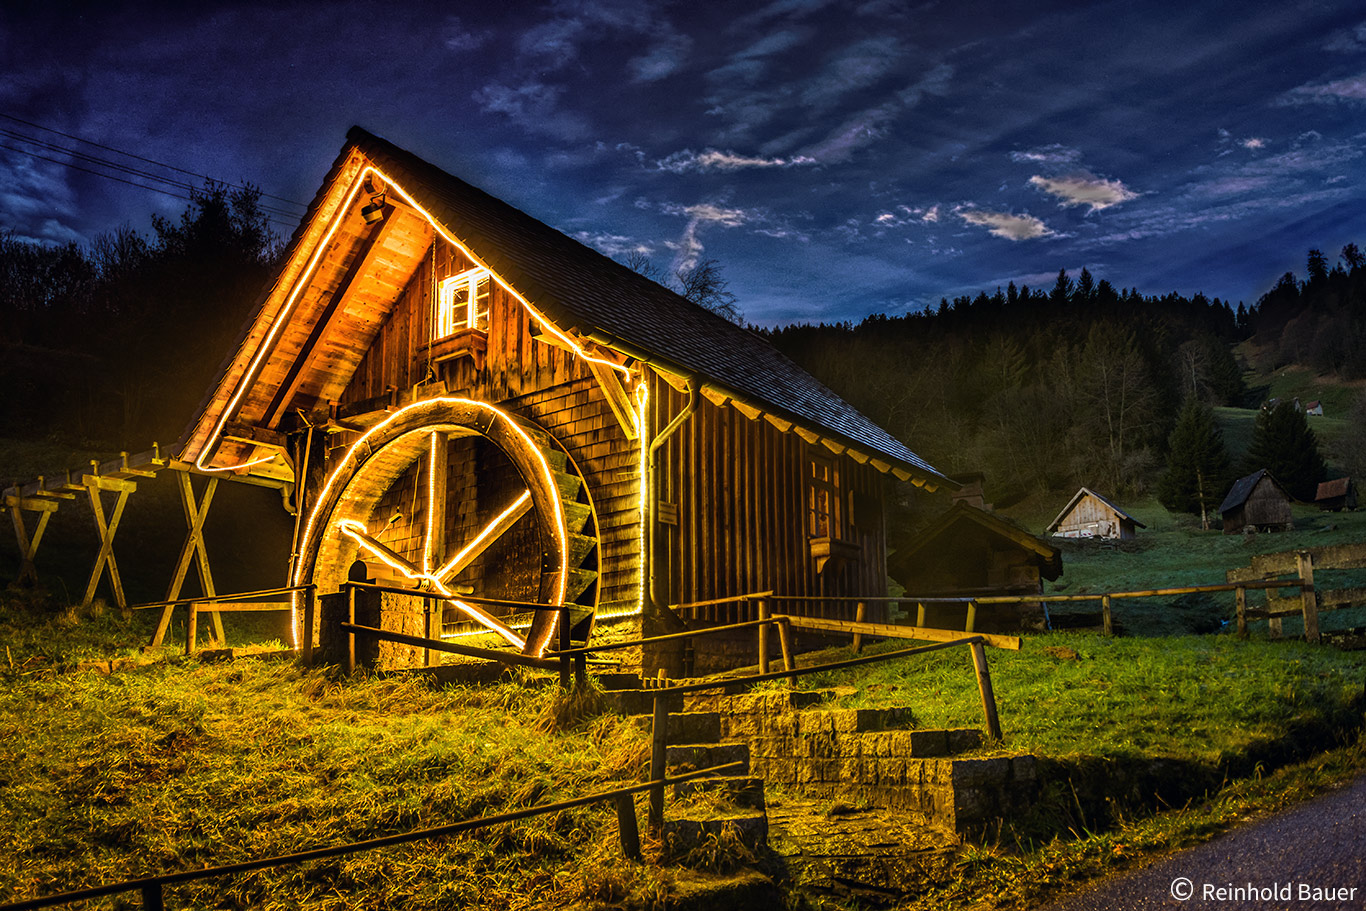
(135, 172)
(160, 164)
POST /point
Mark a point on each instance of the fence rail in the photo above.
(152, 888)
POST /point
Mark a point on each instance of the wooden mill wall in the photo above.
(733, 509)
(531, 378)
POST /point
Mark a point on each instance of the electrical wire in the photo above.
(160, 164)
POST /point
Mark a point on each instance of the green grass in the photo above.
(1211, 700)
(181, 765)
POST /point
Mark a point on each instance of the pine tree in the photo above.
(1284, 444)
(1198, 467)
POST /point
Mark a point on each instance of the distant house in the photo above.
(1257, 502)
(968, 551)
(1090, 515)
(1315, 408)
(1336, 495)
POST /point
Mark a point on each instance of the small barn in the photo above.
(1336, 495)
(968, 552)
(1090, 515)
(460, 400)
(1257, 502)
(1314, 408)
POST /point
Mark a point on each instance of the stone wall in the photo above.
(875, 757)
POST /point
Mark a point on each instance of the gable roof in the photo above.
(1339, 487)
(579, 290)
(1243, 487)
(951, 525)
(1077, 498)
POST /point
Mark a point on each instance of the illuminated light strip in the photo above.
(248, 376)
(349, 528)
(269, 458)
(557, 510)
(300, 283)
(643, 399)
(431, 505)
(488, 529)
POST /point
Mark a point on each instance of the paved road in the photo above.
(1318, 845)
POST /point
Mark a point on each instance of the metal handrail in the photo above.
(152, 886)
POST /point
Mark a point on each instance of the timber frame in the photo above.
(692, 460)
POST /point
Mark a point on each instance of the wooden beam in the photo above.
(782, 424)
(363, 260)
(746, 409)
(485, 538)
(192, 549)
(251, 433)
(895, 631)
(617, 397)
(107, 530)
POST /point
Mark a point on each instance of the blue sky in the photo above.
(837, 158)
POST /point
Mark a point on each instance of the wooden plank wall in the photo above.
(737, 487)
(537, 380)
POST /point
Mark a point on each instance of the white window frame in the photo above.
(457, 302)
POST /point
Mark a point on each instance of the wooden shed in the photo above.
(1090, 515)
(969, 551)
(477, 404)
(1257, 502)
(1336, 495)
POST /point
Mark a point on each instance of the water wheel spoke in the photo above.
(485, 539)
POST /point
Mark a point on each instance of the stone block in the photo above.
(963, 739)
(1024, 769)
(928, 743)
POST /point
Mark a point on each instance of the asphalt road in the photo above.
(1277, 863)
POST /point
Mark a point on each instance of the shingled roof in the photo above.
(583, 290)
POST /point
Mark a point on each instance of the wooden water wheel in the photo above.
(459, 498)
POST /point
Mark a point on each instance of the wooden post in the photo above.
(350, 636)
(1240, 598)
(979, 661)
(191, 628)
(920, 614)
(310, 611)
(151, 897)
(763, 638)
(1309, 598)
(859, 613)
(785, 640)
(28, 547)
(566, 664)
(659, 748)
(1107, 622)
(191, 550)
(626, 827)
(972, 617)
(427, 631)
(94, 484)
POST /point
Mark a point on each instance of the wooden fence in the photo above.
(1311, 601)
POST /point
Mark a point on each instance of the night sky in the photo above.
(837, 159)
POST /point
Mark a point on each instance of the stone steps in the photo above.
(689, 757)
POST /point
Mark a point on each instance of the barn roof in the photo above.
(1243, 487)
(954, 524)
(579, 290)
(1338, 487)
(1077, 498)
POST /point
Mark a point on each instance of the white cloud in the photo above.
(534, 106)
(1005, 224)
(1049, 154)
(1348, 41)
(668, 55)
(1253, 142)
(1350, 90)
(456, 37)
(931, 214)
(1084, 190)
(714, 160)
(612, 244)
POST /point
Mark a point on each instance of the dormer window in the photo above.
(462, 302)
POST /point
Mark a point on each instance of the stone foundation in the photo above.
(873, 757)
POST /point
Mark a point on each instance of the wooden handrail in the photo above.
(151, 886)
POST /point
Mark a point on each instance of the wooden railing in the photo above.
(235, 601)
(152, 888)
(1312, 601)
